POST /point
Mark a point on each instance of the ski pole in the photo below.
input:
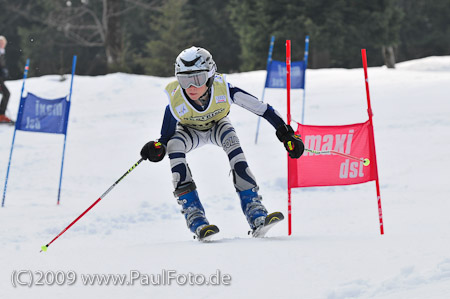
(44, 248)
(365, 161)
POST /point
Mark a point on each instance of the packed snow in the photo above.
(335, 251)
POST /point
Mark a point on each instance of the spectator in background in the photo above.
(3, 76)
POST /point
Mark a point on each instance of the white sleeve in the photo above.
(247, 101)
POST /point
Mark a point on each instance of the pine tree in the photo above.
(175, 33)
(215, 33)
(248, 20)
(425, 30)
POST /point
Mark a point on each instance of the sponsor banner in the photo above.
(312, 170)
(276, 76)
(42, 115)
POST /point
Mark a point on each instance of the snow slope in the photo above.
(335, 251)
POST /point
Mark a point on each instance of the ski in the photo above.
(269, 222)
(207, 232)
(11, 123)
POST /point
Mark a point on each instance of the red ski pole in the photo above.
(44, 248)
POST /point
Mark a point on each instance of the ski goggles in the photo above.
(195, 79)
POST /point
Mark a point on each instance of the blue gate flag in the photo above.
(36, 114)
(276, 75)
(42, 115)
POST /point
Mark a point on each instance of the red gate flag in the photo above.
(313, 170)
(322, 163)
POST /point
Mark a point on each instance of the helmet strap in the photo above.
(210, 82)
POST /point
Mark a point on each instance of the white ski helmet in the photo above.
(194, 60)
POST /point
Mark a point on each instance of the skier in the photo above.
(3, 76)
(199, 102)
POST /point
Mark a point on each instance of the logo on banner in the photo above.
(221, 99)
(43, 110)
(351, 169)
(182, 109)
(340, 143)
(276, 76)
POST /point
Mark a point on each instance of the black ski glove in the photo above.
(153, 151)
(293, 143)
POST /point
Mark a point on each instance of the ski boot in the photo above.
(6, 120)
(256, 213)
(194, 213)
(252, 207)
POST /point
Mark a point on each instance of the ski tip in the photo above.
(270, 221)
(44, 248)
(207, 232)
(273, 218)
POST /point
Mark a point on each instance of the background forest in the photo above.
(145, 36)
